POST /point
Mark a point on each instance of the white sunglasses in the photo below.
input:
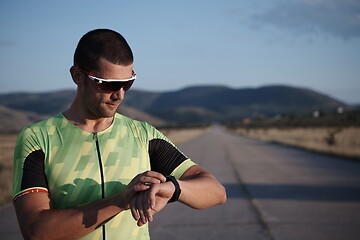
(112, 85)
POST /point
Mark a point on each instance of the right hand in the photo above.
(140, 183)
(147, 203)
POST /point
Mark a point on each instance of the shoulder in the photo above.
(126, 121)
(46, 123)
(42, 127)
(139, 128)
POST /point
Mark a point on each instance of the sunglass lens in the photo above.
(127, 85)
(115, 86)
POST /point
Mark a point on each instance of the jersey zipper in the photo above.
(95, 136)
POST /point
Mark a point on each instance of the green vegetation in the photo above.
(337, 119)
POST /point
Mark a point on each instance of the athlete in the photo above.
(92, 173)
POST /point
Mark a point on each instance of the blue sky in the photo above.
(245, 43)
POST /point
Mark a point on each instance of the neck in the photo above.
(86, 121)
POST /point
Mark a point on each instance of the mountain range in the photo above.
(197, 104)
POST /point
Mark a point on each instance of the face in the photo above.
(98, 103)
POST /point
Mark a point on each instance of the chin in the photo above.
(109, 114)
(102, 113)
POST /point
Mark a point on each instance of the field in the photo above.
(341, 141)
(7, 144)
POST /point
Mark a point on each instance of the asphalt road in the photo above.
(274, 193)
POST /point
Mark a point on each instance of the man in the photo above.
(92, 173)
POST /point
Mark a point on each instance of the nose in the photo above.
(118, 96)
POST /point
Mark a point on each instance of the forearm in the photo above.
(39, 221)
(71, 223)
(201, 190)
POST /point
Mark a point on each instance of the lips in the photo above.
(112, 105)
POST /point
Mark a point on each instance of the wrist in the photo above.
(177, 191)
(121, 201)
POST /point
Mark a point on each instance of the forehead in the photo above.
(109, 70)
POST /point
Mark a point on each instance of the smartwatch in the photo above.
(177, 192)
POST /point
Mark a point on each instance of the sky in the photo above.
(313, 44)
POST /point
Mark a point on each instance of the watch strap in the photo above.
(177, 191)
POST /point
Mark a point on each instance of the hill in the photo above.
(18, 110)
(219, 103)
(14, 120)
(48, 103)
(197, 104)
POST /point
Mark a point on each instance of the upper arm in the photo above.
(29, 175)
(30, 188)
(164, 156)
(195, 171)
(29, 170)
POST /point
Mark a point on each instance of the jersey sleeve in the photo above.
(29, 175)
(165, 157)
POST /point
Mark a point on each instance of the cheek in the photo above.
(93, 96)
(90, 97)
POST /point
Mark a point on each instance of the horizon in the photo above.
(312, 44)
(188, 87)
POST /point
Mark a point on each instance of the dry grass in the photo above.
(337, 141)
(7, 144)
(178, 136)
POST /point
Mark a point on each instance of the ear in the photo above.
(77, 75)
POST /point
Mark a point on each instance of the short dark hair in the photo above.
(102, 43)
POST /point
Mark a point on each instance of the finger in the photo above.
(148, 212)
(152, 195)
(134, 211)
(139, 223)
(139, 207)
(149, 179)
(155, 175)
(141, 187)
(147, 206)
(142, 181)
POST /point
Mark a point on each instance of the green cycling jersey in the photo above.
(77, 167)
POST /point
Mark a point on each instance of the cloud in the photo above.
(340, 18)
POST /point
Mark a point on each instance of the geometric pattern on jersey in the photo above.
(76, 177)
